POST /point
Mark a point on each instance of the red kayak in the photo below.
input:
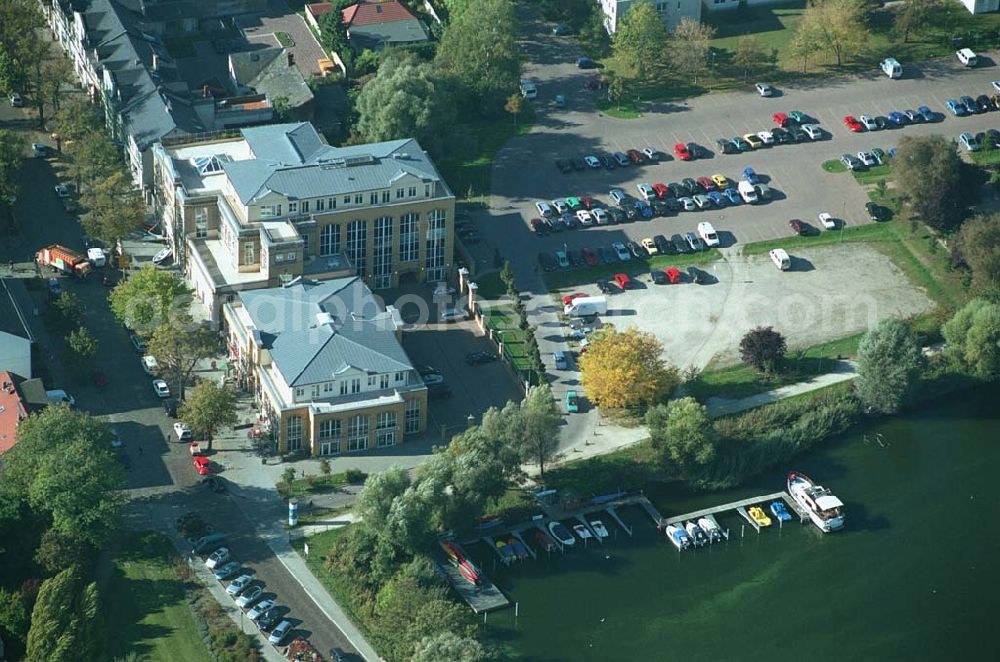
(464, 566)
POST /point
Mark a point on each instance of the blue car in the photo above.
(750, 176)
(956, 108)
(569, 220)
(644, 209)
(898, 118)
(717, 198)
(928, 114)
(585, 63)
(733, 196)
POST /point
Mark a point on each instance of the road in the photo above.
(161, 480)
(524, 170)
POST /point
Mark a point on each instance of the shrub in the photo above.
(355, 476)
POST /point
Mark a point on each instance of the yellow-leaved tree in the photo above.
(626, 369)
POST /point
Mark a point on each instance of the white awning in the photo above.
(829, 503)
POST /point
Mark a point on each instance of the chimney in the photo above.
(291, 59)
(156, 62)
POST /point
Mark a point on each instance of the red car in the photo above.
(568, 299)
(635, 156)
(203, 465)
(661, 190)
(853, 124)
(682, 152)
(586, 201)
(674, 276)
(589, 256)
(623, 281)
(706, 183)
(99, 378)
(782, 120)
(798, 227)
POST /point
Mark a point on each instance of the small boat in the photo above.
(506, 552)
(697, 535)
(546, 541)
(561, 533)
(778, 510)
(678, 536)
(583, 532)
(465, 567)
(825, 510)
(758, 515)
(598, 527)
(711, 529)
(518, 547)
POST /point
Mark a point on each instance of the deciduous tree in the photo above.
(479, 52)
(690, 46)
(59, 551)
(82, 343)
(626, 369)
(115, 208)
(12, 147)
(448, 646)
(405, 99)
(63, 620)
(978, 247)
(640, 38)
(147, 298)
(935, 184)
(763, 348)
(748, 55)
(514, 105)
(682, 432)
(62, 466)
(836, 25)
(917, 16)
(541, 418)
(179, 344)
(889, 364)
(208, 408)
(973, 337)
(14, 621)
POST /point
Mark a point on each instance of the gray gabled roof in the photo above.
(376, 35)
(316, 331)
(293, 160)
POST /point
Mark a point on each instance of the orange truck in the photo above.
(63, 259)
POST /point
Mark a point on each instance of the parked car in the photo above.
(928, 114)
(753, 140)
(635, 156)
(269, 619)
(560, 360)
(674, 276)
(621, 252)
(851, 162)
(621, 159)
(663, 245)
(969, 103)
(782, 120)
(15, 99)
(680, 244)
(217, 558)
(572, 402)
(708, 234)
(682, 152)
(260, 609)
(726, 146)
(592, 161)
(239, 584)
(646, 191)
(827, 221)
(637, 250)
(798, 227)
(182, 431)
(798, 116)
(479, 358)
(226, 571)
(250, 596)
(749, 175)
(694, 242)
(813, 131)
(968, 142)
(764, 90)
(898, 119)
(201, 463)
(699, 277)
(967, 57)
(161, 389)
(956, 108)
(454, 314)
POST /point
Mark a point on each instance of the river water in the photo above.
(914, 575)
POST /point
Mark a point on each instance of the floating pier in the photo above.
(482, 598)
(517, 535)
(742, 505)
(614, 515)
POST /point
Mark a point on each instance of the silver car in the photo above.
(621, 251)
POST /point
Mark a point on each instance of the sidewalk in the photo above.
(252, 483)
(845, 371)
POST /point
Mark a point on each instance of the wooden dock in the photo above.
(517, 535)
(610, 510)
(742, 504)
(482, 598)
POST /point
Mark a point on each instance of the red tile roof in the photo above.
(317, 9)
(373, 13)
(12, 410)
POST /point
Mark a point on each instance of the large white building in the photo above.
(981, 6)
(671, 12)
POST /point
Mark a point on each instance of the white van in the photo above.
(96, 257)
(781, 259)
(967, 57)
(891, 67)
(528, 89)
(708, 234)
(149, 364)
(586, 306)
(747, 192)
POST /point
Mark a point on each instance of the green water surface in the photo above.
(913, 576)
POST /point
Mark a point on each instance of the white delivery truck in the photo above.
(891, 67)
(585, 306)
(747, 192)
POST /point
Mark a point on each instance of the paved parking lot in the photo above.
(830, 292)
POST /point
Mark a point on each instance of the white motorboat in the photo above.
(583, 532)
(561, 533)
(711, 529)
(678, 536)
(697, 535)
(825, 510)
(598, 527)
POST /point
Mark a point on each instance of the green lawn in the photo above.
(572, 278)
(504, 322)
(986, 157)
(144, 603)
(871, 176)
(467, 168)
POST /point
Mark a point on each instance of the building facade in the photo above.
(326, 367)
(259, 207)
(671, 12)
(981, 6)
